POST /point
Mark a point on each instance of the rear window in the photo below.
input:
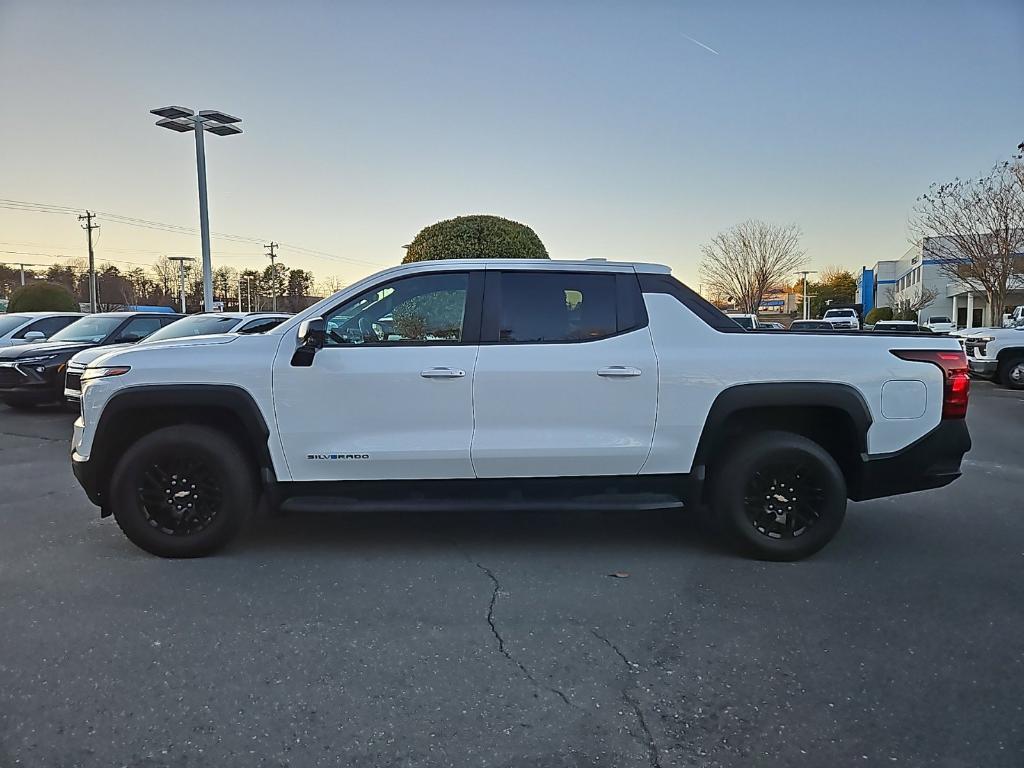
(938, 320)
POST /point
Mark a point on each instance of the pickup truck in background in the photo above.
(997, 354)
(843, 319)
(518, 385)
(744, 321)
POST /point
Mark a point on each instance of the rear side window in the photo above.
(138, 328)
(538, 307)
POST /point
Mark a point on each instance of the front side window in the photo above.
(47, 326)
(423, 309)
(556, 306)
(88, 330)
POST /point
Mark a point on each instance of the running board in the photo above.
(631, 502)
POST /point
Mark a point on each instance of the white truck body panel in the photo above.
(524, 410)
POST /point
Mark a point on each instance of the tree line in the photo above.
(159, 285)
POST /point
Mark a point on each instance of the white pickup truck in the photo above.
(998, 354)
(518, 384)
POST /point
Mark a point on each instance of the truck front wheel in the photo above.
(1012, 373)
(182, 491)
(779, 496)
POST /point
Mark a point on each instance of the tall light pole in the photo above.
(183, 120)
(805, 273)
(181, 276)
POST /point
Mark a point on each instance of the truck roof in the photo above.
(541, 264)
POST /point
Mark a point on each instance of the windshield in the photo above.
(839, 313)
(938, 320)
(9, 322)
(197, 325)
(91, 330)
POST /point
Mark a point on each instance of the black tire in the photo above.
(216, 496)
(1011, 373)
(804, 496)
(20, 405)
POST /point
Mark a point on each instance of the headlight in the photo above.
(984, 339)
(101, 373)
(34, 360)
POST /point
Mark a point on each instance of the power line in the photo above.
(131, 221)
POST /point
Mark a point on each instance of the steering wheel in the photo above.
(367, 330)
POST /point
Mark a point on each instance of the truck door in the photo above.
(566, 380)
(390, 395)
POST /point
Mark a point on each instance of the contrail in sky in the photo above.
(705, 47)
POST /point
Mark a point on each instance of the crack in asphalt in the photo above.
(36, 437)
(653, 753)
(501, 641)
(632, 667)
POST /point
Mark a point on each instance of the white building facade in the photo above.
(920, 270)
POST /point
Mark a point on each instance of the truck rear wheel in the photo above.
(182, 491)
(779, 496)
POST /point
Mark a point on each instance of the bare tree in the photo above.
(910, 303)
(747, 260)
(975, 229)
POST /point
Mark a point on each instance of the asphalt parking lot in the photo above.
(488, 640)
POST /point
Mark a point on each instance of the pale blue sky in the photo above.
(599, 124)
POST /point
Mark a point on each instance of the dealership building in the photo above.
(920, 269)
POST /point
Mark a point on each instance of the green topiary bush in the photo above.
(42, 297)
(878, 313)
(476, 237)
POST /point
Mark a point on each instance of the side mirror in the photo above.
(312, 335)
(34, 336)
(313, 332)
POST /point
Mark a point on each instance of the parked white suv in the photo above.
(32, 327)
(845, 319)
(517, 384)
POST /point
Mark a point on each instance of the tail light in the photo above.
(957, 382)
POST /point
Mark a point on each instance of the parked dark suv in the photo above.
(33, 374)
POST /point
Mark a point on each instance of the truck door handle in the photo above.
(619, 371)
(442, 373)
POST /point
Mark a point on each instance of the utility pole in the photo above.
(239, 293)
(248, 292)
(88, 227)
(273, 270)
(806, 308)
(181, 275)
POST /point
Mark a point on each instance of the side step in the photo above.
(616, 502)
